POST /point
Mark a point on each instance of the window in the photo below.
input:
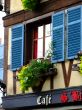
(41, 40)
(31, 44)
(66, 35)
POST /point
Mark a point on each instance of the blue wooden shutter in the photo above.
(17, 46)
(74, 25)
(58, 37)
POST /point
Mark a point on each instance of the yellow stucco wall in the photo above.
(59, 80)
(76, 78)
(46, 85)
(16, 5)
(9, 83)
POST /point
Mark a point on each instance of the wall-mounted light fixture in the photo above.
(1, 6)
(2, 86)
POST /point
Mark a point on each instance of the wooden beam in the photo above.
(65, 74)
(14, 82)
(5, 56)
(69, 71)
(45, 7)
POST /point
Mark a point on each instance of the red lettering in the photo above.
(64, 97)
(75, 95)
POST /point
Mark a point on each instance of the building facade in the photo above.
(27, 36)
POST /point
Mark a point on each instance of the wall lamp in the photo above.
(2, 86)
(1, 6)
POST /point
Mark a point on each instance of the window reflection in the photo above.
(40, 48)
(42, 41)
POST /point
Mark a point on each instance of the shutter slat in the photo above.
(17, 47)
(74, 14)
(58, 37)
(74, 31)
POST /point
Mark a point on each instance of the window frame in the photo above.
(43, 38)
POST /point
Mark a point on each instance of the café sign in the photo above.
(63, 97)
(44, 100)
(53, 98)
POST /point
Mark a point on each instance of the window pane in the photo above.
(47, 30)
(40, 31)
(40, 48)
(35, 33)
(35, 50)
(47, 45)
(1, 73)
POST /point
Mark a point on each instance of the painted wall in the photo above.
(75, 80)
(16, 5)
(76, 77)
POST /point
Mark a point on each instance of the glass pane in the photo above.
(35, 33)
(47, 45)
(47, 30)
(35, 50)
(1, 73)
(40, 48)
(40, 31)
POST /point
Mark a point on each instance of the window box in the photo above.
(35, 73)
(51, 72)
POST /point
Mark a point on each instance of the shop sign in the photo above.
(63, 97)
(60, 97)
(44, 100)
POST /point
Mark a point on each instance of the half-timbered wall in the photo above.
(65, 77)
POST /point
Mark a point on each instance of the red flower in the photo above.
(64, 97)
(75, 95)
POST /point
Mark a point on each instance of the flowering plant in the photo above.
(80, 65)
(30, 4)
(30, 75)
